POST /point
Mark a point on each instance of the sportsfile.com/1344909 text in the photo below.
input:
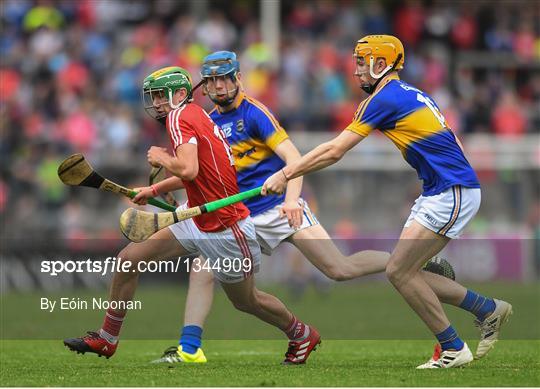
(114, 264)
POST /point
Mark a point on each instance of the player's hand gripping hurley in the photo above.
(76, 171)
(157, 174)
(138, 226)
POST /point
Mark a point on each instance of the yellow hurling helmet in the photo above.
(388, 47)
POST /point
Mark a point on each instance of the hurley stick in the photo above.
(138, 226)
(76, 171)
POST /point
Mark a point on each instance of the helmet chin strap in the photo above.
(381, 74)
(368, 88)
(213, 96)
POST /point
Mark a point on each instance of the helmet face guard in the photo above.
(149, 96)
(161, 86)
(217, 65)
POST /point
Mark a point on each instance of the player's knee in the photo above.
(127, 256)
(249, 304)
(336, 273)
(398, 275)
(242, 302)
(394, 273)
(244, 305)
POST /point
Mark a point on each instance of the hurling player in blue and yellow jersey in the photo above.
(450, 198)
(261, 147)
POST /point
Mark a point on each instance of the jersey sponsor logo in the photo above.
(247, 152)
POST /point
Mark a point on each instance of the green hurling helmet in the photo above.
(164, 83)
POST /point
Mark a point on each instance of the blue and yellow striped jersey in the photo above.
(253, 133)
(412, 120)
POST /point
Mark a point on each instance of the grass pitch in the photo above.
(359, 323)
(256, 363)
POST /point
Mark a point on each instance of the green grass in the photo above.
(256, 363)
(359, 311)
(359, 322)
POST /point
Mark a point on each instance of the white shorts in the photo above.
(232, 254)
(272, 229)
(448, 212)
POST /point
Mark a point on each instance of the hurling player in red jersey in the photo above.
(225, 239)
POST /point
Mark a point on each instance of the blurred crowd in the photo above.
(71, 71)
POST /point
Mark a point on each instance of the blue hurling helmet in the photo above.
(221, 63)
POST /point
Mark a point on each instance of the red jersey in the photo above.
(217, 175)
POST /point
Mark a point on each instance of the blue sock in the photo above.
(477, 304)
(449, 339)
(191, 339)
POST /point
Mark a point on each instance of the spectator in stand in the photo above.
(508, 118)
(65, 63)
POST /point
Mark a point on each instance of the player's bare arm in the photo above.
(320, 157)
(184, 165)
(291, 209)
(167, 185)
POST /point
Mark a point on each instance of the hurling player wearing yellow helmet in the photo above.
(450, 198)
